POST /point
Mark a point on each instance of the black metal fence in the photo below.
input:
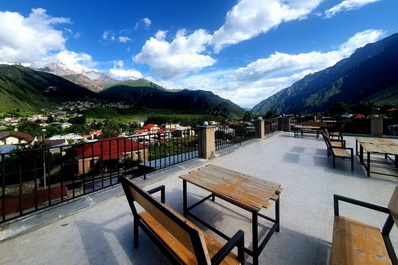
(230, 134)
(39, 178)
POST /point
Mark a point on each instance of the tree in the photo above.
(31, 128)
(76, 128)
(109, 129)
(270, 115)
(247, 116)
(339, 108)
(364, 107)
(78, 120)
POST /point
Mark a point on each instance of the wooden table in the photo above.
(371, 140)
(375, 146)
(249, 193)
(301, 128)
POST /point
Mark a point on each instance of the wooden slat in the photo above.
(240, 189)
(393, 206)
(357, 243)
(380, 148)
(228, 192)
(176, 230)
(263, 182)
(336, 143)
(179, 249)
(371, 140)
(341, 152)
(224, 178)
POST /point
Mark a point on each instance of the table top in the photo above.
(380, 148)
(306, 127)
(240, 189)
(372, 140)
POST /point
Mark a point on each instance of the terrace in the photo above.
(97, 228)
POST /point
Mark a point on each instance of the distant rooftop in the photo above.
(98, 228)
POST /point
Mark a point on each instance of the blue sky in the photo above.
(243, 50)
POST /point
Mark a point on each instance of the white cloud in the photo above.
(143, 23)
(77, 62)
(249, 18)
(119, 72)
(347, 5)
(29, 39)
(264, 77)
(124, 39)
(283, 64)
(175, 59)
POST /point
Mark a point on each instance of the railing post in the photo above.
(207, 145)
(259, 128)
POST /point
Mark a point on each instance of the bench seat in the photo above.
(339, 152)
(355, 242)
(213, 246)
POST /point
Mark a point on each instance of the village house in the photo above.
(16, 138)
(152, 128)
(183, 132)
(110, 149)
(170, 126)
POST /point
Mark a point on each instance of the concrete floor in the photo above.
(101, 232)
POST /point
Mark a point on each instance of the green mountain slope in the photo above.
(29, 90)
(368, 74)
(185, 101)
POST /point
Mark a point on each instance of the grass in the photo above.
(124, 115)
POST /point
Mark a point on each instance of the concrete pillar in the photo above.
(286, 124)
(376, 126)
(259, 128)
(207, 143)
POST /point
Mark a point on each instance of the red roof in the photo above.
(149, 126)
(359, 116)
(109, 148)
(141, 131)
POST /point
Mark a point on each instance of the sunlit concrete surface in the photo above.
(98, 229)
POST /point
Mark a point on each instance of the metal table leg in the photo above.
(184, 197)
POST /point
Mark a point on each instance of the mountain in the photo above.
(30, 90)
(369, 74)
(184, 101)
(91, 79)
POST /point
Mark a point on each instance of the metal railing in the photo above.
(35, 179)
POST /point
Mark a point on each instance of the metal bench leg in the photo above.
(255, 237)
(136, 220)
(184, 198)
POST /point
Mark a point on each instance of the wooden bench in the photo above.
(355, 242)
(180, 240)
(340, 142)
(338, 151)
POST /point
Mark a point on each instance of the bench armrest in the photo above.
(375, 207)
(162, 192)
(237, 240)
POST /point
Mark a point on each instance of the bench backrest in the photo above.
(190, 237)
(393, 205)
(314, 123)
(327, 140)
